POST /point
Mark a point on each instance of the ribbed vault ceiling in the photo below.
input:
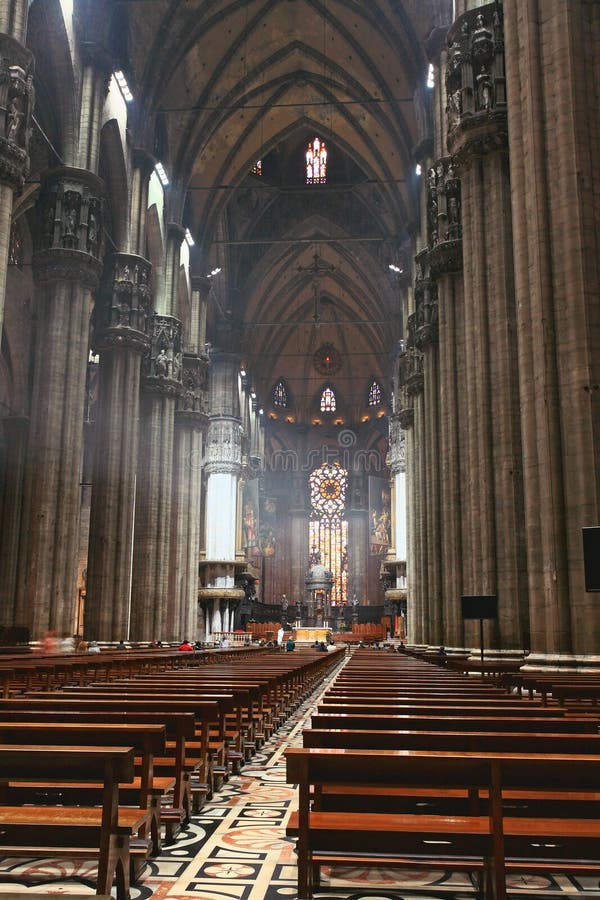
(227, 83)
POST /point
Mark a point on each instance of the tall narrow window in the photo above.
(280, 394)
(375, 394)
(257, 167)
(316, 162)
(328, 403)
(328, 531)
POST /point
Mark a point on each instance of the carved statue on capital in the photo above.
(224, 446)
(397, 441)
(445, 244)
(16, 108)
(162, 368)
(192, 403)
(475, 79)
(123, 308)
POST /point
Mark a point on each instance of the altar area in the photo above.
(310, 635)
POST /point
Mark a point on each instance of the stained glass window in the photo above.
(280, 394)
(328, 530)
(375, 395)
(257, 167)
(316, 162)
(328, 403)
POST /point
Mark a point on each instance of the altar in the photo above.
(310, 635)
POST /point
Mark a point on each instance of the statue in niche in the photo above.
(92, 230)
(124, 313)
(14, 118)
(189, 400)
(70, 222)
(161, 363)
(176, 369)
(484, 89)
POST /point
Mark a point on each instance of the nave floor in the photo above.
(236, 849)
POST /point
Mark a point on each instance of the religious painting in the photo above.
(268, 527)
(250, 518)
(379, 515)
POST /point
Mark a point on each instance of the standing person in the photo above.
(290, 644)
(280, 636)
(185, 646)
(93, 647)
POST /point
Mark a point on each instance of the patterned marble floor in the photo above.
(236, 849)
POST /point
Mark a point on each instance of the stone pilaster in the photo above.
(16, 107)
(397, 466)
(15, 437)
(122, 310)
(191, 423)
(161, 386)
(66, 268)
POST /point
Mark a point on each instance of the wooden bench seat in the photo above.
(103, 833)
(493, 845)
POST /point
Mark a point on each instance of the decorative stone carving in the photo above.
(123, 308)
(224, 447)
(69, 237)
(444, 229)
(476, 80)
(192, 405)
(16, 107)
(424, 325)
(162, 369)
(397, 451)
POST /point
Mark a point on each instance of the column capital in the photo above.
(444, 229)
(162, 368)
(123, 306)
(69, 237)
(476, 84)
(16, 107)
(192, 405)
(224, 446)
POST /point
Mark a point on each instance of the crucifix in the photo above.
(316, 270)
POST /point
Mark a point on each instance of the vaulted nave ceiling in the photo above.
(227, 83)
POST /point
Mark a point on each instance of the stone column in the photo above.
(120, 339)
(405, 415)
(15, 431)
(477, 138)
(426, 337)
(67, 269)
(191, 422)
(445, 263)
(551, 65)
(397, 465)
(161, 386)
(299, 550)
(16, 106)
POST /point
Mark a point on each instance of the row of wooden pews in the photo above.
(108, 770)
(443, 771)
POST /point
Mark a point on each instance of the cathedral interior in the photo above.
(288, 284)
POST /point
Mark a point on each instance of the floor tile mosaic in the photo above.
(236, 849)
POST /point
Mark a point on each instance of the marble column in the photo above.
(11, 495)
(161, 387)
(191, 422)
(66, 269)
(477, 139)
(120, 338)
(445, 265)
(16, 106)
(551, 65)
(298, 517)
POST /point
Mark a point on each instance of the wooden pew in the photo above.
(178, 764)
(488, 845)
(147, 739)
(101, 833)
